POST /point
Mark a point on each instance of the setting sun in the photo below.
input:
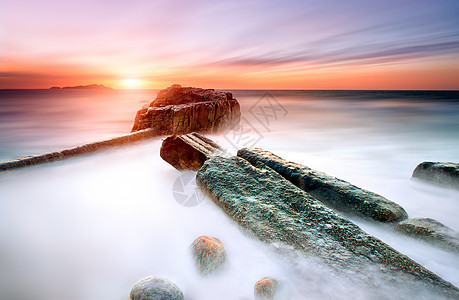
(131, 83)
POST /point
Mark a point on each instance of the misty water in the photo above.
(90, 227)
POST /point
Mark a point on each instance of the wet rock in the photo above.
(274, 210)
(188, 152)
(83, 149)
(265, 288)
(181, 110)
(431, 231)
(337, 193)
(156, 288)
(209, 254)
(442, 173)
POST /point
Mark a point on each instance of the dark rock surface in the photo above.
(274, 210)
(336, 193)
(431, 231)
(209, 254)
(188, 152)
(86, 148)
(442, 173)
(265, 288)
(155, 288)
(181, 110)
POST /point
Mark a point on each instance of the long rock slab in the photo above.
(189, 151)
(274, 210)
(442, 173)
(431, 231)
(86, 148)
(337, 193)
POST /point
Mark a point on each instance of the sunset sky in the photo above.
(251, 44)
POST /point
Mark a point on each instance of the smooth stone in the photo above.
(431, 231)
(338, 194)
(156, 288)
(209, 254)
(265, 288)
(442, 173)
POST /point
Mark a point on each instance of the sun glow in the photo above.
(131, 83)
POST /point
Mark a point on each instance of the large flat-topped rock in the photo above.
(337, 193)
(442, 173)
(181, 110)
(176, 95)
(274, 210)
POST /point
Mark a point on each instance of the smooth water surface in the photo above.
(91, 226)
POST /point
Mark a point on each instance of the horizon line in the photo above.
(242, 89)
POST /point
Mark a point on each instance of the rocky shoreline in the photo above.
(176, 110)
(275, 200)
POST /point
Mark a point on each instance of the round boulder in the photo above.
(265, 288)
(209, 254)
(155, 288)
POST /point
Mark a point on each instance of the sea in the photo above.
(91, 226)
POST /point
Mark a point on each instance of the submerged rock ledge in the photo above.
(86, 148)
(274, 210)
(431, 231)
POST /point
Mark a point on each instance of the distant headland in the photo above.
(81, 87)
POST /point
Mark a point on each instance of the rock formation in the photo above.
(188, 152)
(209, 254)
(337, 193)
(274, 210)
(431, 231)
(442, 173)
(87, 87)
(181, 110)
(265, 288)
(155, 288)
(86, 148)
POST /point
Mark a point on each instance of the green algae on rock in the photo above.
(337, 193)
(274, 210)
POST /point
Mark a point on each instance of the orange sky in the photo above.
(233, 45)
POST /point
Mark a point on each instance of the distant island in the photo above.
(82, 87)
